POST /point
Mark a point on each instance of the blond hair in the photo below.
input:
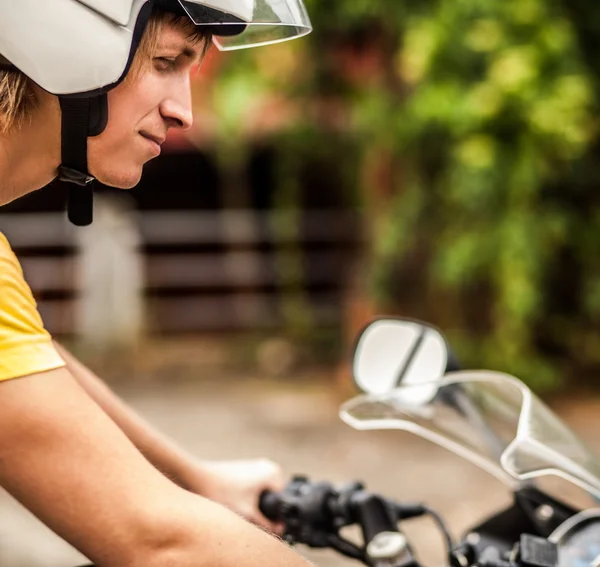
(17, 97)
(17, 93)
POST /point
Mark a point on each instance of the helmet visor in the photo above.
(239, 24)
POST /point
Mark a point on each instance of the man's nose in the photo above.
(176, 109)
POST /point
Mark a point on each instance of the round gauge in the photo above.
(578, 540)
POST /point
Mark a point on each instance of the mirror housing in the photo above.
(394, 351)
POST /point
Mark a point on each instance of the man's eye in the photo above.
(165, 63)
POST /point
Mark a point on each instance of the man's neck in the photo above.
(28, 161)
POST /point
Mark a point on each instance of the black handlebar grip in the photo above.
(270, 505)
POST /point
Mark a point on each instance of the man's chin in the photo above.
(121, 180)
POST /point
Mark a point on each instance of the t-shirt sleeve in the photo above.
(25, 345)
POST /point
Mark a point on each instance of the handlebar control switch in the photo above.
(537, 552)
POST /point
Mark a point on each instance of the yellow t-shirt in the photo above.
(25, 346)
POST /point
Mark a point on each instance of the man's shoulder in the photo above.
(25, 346)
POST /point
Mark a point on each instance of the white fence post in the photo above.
(110, 274)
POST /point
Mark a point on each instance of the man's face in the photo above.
(143, 109)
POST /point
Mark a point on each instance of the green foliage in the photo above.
(488, 109)
(505, 89)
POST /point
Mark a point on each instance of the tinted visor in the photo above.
(238, 24)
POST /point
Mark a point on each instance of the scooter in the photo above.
(410, 381)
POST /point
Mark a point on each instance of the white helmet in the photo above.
(80, 49)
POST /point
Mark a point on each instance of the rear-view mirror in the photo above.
(391, 352)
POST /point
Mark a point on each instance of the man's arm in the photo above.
(66, 461)
(234, 484)
(165, 455)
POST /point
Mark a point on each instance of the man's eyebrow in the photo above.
(190, 52)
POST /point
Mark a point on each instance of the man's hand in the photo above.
(238, 486)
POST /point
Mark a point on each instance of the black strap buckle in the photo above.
(71, 175)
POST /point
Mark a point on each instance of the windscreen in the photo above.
(239, 24)
(492, 419)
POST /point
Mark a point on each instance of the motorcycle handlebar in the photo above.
(314, 512)
(270, 505)
(273, 506)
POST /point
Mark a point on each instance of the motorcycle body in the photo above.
(411, 382)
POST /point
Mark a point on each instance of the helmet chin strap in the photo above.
(81, 118)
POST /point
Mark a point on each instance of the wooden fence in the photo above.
(184, 271)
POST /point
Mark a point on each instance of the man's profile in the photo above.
(89, 89)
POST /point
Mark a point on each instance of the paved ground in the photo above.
(298, 426)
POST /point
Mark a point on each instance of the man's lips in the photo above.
(160, 140)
